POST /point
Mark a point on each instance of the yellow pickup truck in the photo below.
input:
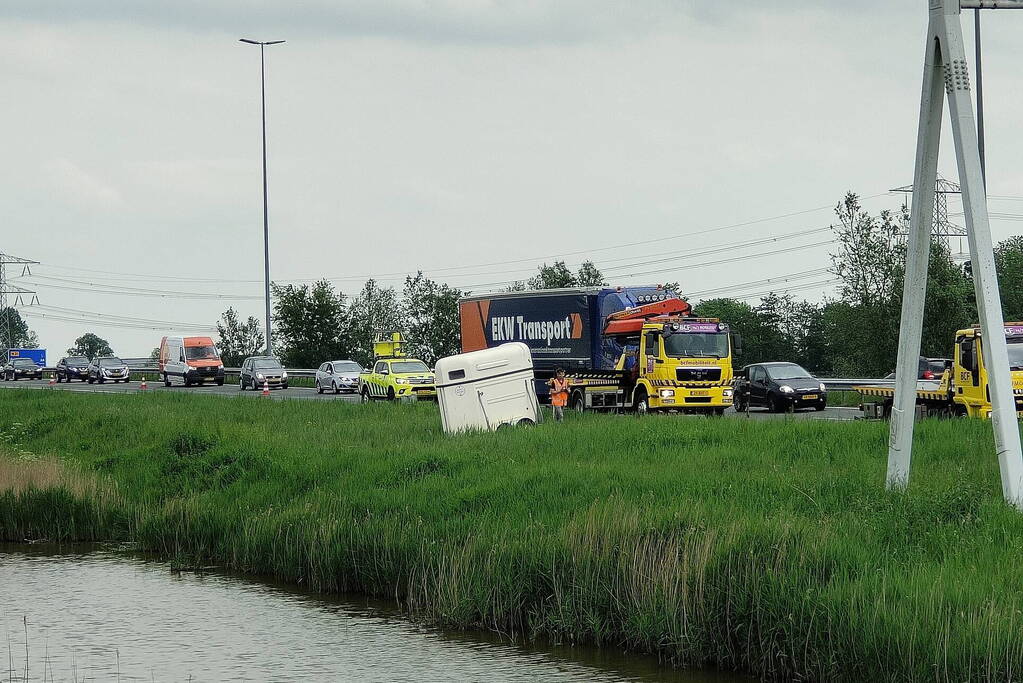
(394, 375)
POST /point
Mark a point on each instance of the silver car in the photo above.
(338, 376)
(108, 368)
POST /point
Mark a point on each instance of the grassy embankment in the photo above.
(764, 546)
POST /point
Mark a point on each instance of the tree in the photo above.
(430, 313)
(311, 324)
(1009, 265)
(376, 310)
(90, 346)
(759, 342)
(553, 277)
(870, 252)
(238, 340)
(154, 355)
(21, 336)
(589, 276)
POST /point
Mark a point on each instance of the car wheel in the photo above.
(90, 380)
(820, 407)
(284, 386)
(188, 382)
(333, 385)
(220, 381)
(166, 380)
(319, 389)
(56, 378)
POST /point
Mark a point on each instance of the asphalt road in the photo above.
(209, 389)
(310, 394)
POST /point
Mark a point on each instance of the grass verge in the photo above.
(766, 546)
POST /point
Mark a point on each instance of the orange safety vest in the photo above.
(559, 392)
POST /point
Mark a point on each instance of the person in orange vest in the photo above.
(559, 393)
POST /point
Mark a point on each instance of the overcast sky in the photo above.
(469, 139)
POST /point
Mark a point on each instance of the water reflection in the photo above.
(101, 615)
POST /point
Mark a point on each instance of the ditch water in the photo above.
(100, 615)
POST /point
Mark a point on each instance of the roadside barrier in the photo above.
(266, 389)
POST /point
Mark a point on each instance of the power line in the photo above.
(6, 289)
(99, 288)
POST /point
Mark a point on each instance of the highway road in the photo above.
(304, 393)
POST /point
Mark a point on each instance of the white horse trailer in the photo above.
(487, 389)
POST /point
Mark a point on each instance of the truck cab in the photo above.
(680, 364)
(966, 381)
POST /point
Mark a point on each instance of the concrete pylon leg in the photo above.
(900, 440)
(985, 279)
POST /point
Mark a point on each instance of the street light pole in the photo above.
(980, 96)
(266, 213)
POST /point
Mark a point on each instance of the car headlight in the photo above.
(726, 393)
(284, 374)
(400, 380)
(667, 393)
(823, 387)
(786, 389)
(259, 375)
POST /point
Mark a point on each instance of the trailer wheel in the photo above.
(578, 402)
(525, 422)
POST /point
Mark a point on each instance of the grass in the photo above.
(765, 546)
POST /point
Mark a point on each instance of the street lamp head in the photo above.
(250, 42)
(260, 42)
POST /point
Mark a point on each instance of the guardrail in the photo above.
(293, 372)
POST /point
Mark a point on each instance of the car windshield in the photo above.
(201, 352)
(77, 360)
(1015, 347)
(696, 345)
(409, 366)
(108, 362)
(268, 364)
(787, 371)
(25, 363)
(347, 366)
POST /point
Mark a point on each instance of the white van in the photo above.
(487, 389)
(193, 359)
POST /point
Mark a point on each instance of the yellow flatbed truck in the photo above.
(963, 386)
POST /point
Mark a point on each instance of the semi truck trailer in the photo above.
(622, 348)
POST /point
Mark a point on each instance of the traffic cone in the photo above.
(266, 389)
(142, 385)
(53, 379)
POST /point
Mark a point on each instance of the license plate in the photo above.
(699, 393)
(810, 397)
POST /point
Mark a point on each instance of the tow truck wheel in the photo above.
(365, 395)
(390, 394)
(578, 402)
(642, 403)
(718, 412)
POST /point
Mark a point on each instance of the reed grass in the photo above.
(764, 546)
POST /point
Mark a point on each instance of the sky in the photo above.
(698, 142)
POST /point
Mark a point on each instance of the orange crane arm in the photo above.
(630, 321)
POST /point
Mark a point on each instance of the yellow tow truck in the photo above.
(670, 362)
(395, 376)
(963, 386)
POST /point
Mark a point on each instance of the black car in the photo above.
(22, 368)
(779, 387)
(259, 370)
(72, 367)
(108, 368)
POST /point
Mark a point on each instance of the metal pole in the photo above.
(266, 215)
(980, 97)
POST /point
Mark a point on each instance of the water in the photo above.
(102, 616)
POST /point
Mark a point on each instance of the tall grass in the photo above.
(767, 546)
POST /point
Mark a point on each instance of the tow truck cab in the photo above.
(967, 379)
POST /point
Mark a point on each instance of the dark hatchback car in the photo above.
(22, 368)
(72, 367)
(779, 387)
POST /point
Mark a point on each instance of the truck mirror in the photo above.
(736, 343)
